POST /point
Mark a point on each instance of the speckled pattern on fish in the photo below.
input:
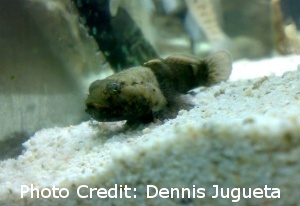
(143, 93)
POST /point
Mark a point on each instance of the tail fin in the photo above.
(219, 67)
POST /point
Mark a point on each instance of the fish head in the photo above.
(113, 100)
(101, 100)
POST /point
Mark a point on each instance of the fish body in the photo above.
(205, 14)
(286, 37)
(143, 93)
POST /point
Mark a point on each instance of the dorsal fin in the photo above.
(182, 59)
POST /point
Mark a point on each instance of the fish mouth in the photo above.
(95, 106)
(101, 113)
(94, 109)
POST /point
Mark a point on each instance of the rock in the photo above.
(46, 59)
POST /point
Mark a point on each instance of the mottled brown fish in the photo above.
(286, 37)
(205, 13)
(143, 93)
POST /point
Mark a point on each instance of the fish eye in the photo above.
(114, 88)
